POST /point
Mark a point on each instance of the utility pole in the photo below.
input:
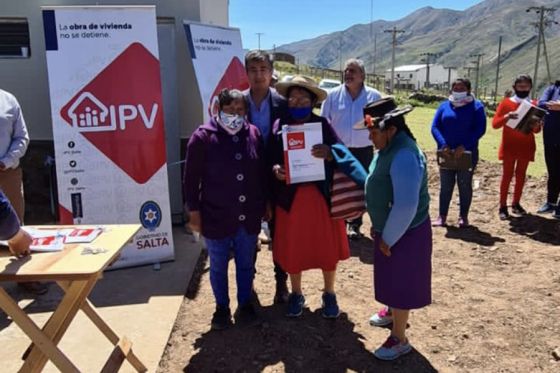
(259, 36)
(498, 70)
(395, 32)
(478, 59)
(374, 52)
(428, 55)
(449, 68)
(340, 55)
(543, 22)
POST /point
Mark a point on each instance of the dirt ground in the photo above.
(496, 304)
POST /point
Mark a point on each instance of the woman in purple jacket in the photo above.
(224, 185)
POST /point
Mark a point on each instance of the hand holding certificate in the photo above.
(300, 165)
(527, 115)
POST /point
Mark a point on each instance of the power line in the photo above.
(395, 32)
(478, 64)
(259, 36)
(543, 22)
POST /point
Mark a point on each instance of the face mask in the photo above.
(522, 94)
(232, 123)
(300, 112)
(458, 96)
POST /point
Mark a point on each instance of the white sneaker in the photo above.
(381, 318)
(392, 349)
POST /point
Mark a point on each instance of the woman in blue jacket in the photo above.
(457, 126)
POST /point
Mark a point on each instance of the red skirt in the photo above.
(307, 237)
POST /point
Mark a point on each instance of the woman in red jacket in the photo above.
(517, 148)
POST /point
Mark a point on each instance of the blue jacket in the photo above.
(455, 126)
(551, 130)
(9, 223)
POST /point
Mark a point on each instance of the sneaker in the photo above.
(518, 210)
(381, 318)
(221, 318)
(392, 349)
(330, 306)
(463, 222)
(34, 287)
(353, 232)
(440, 221)
(282, 293)
(245, 314)
(503, 213)
(296, 302)
(546, 208)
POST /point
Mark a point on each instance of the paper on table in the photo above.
(300, 165)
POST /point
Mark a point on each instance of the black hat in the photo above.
(379, 111)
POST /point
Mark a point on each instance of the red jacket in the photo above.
(515, 144)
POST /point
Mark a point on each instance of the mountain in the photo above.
(453, 35)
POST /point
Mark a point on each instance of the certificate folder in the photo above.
(300, 165)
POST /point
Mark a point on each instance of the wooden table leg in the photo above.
(35, 334)
(58, 323)
(90, 311)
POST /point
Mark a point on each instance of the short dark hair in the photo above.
(257, 55)
(227, 96)
(523, 78)
(464, 81)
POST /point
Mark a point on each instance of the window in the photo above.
(14, 38)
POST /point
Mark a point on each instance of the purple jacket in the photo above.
(9, 223)
(225, 179)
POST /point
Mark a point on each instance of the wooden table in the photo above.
(76, 272)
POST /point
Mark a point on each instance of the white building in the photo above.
(414, 76)
(23, 72)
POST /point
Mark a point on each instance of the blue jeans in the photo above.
(243, 246)
(447, 184)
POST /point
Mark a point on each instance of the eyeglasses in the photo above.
(299, 100)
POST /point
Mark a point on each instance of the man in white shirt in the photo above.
(343, 107)
(14, 140)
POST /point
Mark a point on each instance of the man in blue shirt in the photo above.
(550, 100)
(343, 108)
(265, 107)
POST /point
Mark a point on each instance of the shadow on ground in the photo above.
(538, 228)
(472, 234)
(307, 344)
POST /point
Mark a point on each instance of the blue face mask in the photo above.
(300, 112)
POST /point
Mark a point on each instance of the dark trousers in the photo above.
(552, 159)
(448, 178)
(364, 156)
(279, 274)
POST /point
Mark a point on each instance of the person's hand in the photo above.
(19, 244)
(194, 221)
(446, 151)
(459, 151)
(535, 125)
(512, 115)
(322, 151)
(279, 172)
(385, 249)
(553, 105)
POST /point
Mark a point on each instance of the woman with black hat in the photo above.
(397, 201)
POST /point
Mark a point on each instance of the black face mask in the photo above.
(522, 94)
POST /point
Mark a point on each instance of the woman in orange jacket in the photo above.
(517, 148)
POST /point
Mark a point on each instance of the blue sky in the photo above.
(286, 21)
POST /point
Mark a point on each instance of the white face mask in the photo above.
(232, 123)
(458, 96)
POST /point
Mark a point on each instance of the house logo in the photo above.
(296, 140)
(120, 113)
(234, 77)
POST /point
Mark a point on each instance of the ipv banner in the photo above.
(107, 116)
(217, 56)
